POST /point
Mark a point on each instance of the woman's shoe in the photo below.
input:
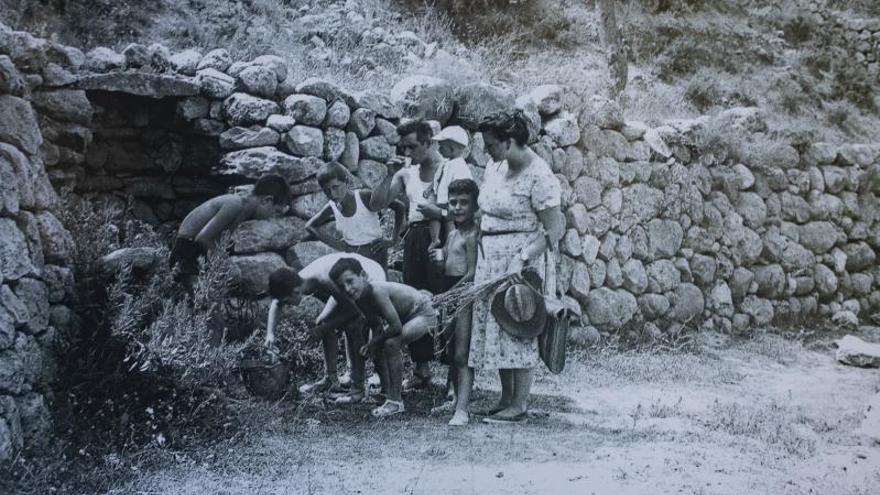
(502, 420)
(460, 418)
(389, 408)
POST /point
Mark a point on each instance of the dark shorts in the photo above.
(185, 256)
(421, 273)
(447, 338)
(375, 250)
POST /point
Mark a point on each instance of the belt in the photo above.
(420, 223)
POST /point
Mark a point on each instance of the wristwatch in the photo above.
(444, 212)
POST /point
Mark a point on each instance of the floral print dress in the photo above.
(509, 209)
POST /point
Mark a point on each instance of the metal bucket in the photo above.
(265, 380)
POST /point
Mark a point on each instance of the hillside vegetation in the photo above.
(687, 57)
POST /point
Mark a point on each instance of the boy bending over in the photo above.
(407, 314)
(202, 227)
(287, 286)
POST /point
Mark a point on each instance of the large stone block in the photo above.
(664, 238)
(362, 122)
(608, 308)
(563, 129)
(276, 234)
(217, 59)
(306, 109)
(325, 90)
(641, 203)
(304, 253)
(251, 273)
(425, 97)
(547, 98)
(186, 62)
(18, 125)
(338, 115)
(211, 83)
(11, 81)
(58, 245)
(478, 101)
(102, 59)
(376, 148)
(334, 143)
(259, 80)
(305, 141)
(215, 84)
(588, 192)
(33, 294)
(663, 276)
(379, 103)
(859, 256)
(248, 137)
(686, 303)
(244, 109)
(253, 163)
(14, 260)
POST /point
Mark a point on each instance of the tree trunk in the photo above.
(615, 50)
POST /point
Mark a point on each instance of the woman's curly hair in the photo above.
(507, 125)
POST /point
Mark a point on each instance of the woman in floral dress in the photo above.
(521, 224)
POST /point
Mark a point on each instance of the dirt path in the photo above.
(766, 416)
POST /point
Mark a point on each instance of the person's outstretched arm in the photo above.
(274, 312)
(390, 188)
(324, 217)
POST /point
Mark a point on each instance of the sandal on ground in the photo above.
(491, 412)
(317, 387)
(389, 408)
(446, 407)
(345, 379)
(352, 397)
(373, 381)
(460, 418)
(503, 420)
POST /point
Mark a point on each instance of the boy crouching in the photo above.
(407, 314)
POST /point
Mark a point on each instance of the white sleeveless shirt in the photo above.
(361, 228)
(418, 192)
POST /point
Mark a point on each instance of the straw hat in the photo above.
(519, 309)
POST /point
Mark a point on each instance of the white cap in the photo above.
(453, 133)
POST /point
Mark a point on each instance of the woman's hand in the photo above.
(515, 267)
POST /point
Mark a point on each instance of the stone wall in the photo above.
(35, 253)
(860, 36)
(661, 234)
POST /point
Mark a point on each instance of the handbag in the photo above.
(553, 340)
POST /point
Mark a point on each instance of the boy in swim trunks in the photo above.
(287, 286)
(460, 264)
(407, 314)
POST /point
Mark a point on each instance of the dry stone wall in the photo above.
(36, 280)
(661, 235)
(861, 36)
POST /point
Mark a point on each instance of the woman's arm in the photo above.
(553, 223)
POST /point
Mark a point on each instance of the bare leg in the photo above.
(522, 382)
(465, 374)
(394, 362)
(328, 341)
(354, 341)
(507, 386)
(381, 366)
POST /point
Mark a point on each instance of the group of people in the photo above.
(455, 232)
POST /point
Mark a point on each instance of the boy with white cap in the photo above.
(452, 143)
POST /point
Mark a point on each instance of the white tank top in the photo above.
(418, 192)
(361, 228)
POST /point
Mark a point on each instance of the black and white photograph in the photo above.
(430, 247)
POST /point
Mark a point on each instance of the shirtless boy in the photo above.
(460, 264)
(203, 226)
(407, 314)
(287, 286)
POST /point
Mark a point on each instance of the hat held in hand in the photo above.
(519, 309)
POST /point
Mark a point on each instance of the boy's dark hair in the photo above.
(330, 171)
(282, 282)
(507, 125)
(275, 186)
(465, 186)
(345, 264)
(423, 130)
